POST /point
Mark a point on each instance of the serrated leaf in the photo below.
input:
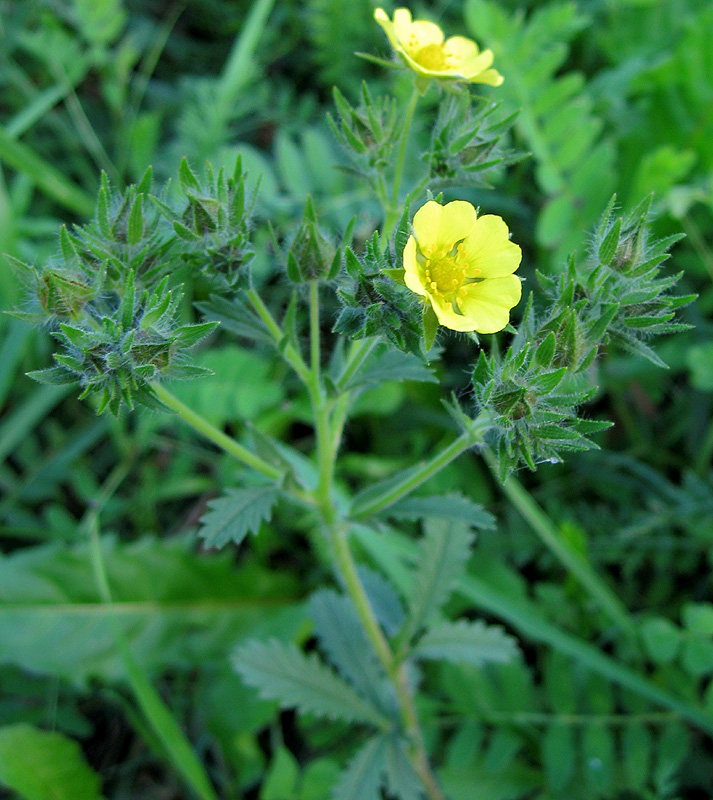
(42, 765)
(402, 782)
(361, 780)
(391, 365)
(237, 513)
(282, 672)
(342, 638)
(444, 552)
(454, 507)
(465, 642)
(384, 600)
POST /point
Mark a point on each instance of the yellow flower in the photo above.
(463, 265)
(421, 46)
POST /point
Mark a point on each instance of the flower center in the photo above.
(431, 57)
(445, 274)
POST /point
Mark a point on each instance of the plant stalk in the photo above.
(215, 435)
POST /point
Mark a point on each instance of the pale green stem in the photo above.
(215, 435)
(413, 478)
(546, 529)
(328, 431)
(392, 212)
(396, 672)
(289, 353)
(357, 356)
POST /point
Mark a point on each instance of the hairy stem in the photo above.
(392, 213)
(329, 422)
(215, 435)
(412, 478)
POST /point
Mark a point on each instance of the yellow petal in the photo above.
(448, 317)
(491, 76)
(440, 227)
(488, 249)
(487, 304)
(457, 221)
(388, 26)
(421, 34)
(460, 49)
(474, 67)
(426, 223)
(413, 274)
(402, 24)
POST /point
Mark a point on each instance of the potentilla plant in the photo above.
(112, 300)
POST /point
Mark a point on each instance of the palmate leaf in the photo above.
(40, 765)
(444, 553)
(341, 636)
(237, 513)
(282, 672)
(467, 643)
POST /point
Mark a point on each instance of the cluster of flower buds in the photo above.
(368, 133)
(213, 227)
(466, 142)
(533, 391)
(374, 299)
(110, 299)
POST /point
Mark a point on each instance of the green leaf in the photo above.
(389, 364)
(361, 780)
(342, 638)
(558, 755)
(135, 230)
(444, 552)
(454, 507)
(698, 618)
(466, 643)
(430, 327)
(282, 672)
(39, 765)
(661, 638)
(281, 778)
(598, 750)
(237, 513)
(187, 177)
(172, 605)
(637, 747)
(401, 779)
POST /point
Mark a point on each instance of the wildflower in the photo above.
(463, 265)
(421, 45)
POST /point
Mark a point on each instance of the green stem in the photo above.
(546, 529)
(392, 213)
(328, 431)
(395, 671)
(215, 435)
(358, 354)
(413, 478)
(289, 353)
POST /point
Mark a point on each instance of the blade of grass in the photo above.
(551, 537)
(163, 724)
(20, 422)
(17, 335)
(392, 552)
(50, 180)
(240, 66)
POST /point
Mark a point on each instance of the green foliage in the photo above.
(281, 672)
(574, 162)
(608, 600)
(172, 606)
(40, 765)
(233, 516)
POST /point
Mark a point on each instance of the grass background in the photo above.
(614, 96)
